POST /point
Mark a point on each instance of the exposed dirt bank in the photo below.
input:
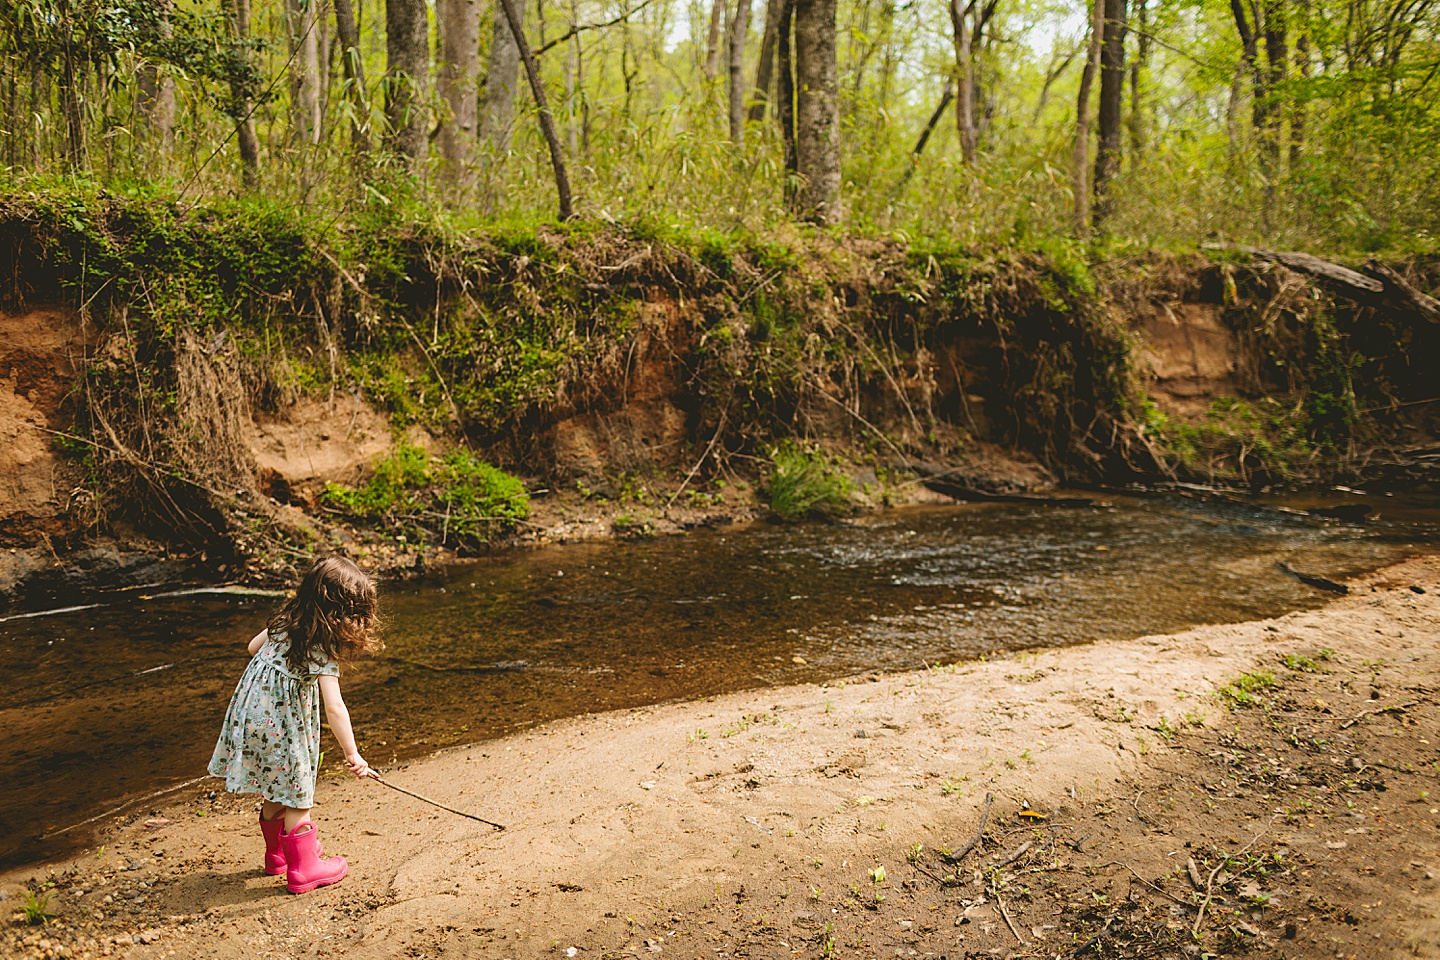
(192, 381)
(1173, 776)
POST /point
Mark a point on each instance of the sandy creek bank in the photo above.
(758, 824)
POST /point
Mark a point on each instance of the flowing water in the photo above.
(109, 703)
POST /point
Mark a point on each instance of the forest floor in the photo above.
(1262, 788)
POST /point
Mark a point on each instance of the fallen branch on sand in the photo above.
(1394, 708)
(974, 841)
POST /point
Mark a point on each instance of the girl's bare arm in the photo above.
(258, 641)
(339, 718)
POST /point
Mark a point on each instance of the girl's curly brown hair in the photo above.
(333, 615)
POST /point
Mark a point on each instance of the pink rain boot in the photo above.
(274, 854)
(304, 868)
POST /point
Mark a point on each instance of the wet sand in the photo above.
(784, 821)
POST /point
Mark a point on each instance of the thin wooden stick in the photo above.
(127, 803)
(434, 803)
(960, 854)
(1000, 901)
(1210, 880)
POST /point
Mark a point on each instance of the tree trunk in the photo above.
(1277, 55)
(1139, 122)
(1112, 91)
(456, 79)
(712, 39)
(547, 122)
(497, 113)
(302, 26)
(241, 109)
(765, 68)
(965, 73)
(1250, 56)
(924, 138)
(739, 28)
(572, 70)
(157, 88)
(785, 99)
(980, 118)
(817, 111)
(349, 33)
(1302, 67)
(407, 87)
(1080, 159)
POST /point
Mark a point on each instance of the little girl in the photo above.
(270, 743)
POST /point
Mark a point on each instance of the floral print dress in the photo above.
(270, 741)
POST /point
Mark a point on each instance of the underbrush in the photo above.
(806, 483)
(458, 494)
(204, 315)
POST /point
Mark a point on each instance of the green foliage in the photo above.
(1303, 664)
(36, 907)
(458, 493)
(1236, 438)
(805, 483)
(1241, 691)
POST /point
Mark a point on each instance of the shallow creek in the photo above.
(110, 703)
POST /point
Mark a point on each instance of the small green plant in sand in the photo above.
(36, 907)
(805, 483)
(1241, 691)
(1303, 664)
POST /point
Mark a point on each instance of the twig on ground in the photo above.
(1020, 852)
(974, 841)
(1097, 938)
(1210, 880)
(1153, 886)
(1136, 804)
(1000, 902)
(1395, 708)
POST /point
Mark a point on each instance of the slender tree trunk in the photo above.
(302, 26)
(547, 122)
(238, 13)
(965, 74)
(456, 81)
(1250, 56)
(348, 32)
(739, 28)
(72, 96)
(712, 39)
(157, 89)
(924, 138)
(1302, 67)
(1112, 91)
(572, 68)
(407, 80)
(1139, 77)
(785, 100)
(887, 72)
(817, 111)
(1277, 56)
(1080, 159)
(497, 116)
(765, 68)
(981, 106)
(1052, 74)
